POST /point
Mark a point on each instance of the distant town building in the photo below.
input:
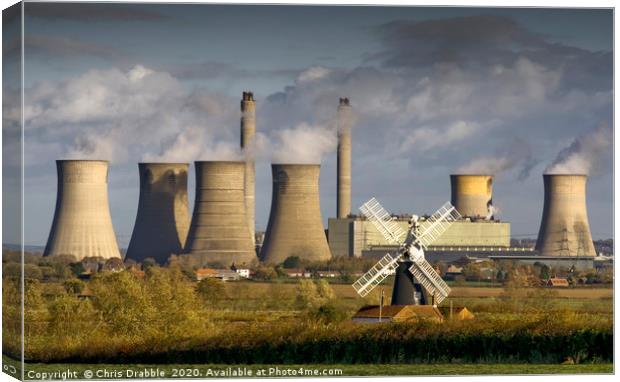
(557, 282)
(244, 273)
(222, 274)
(297, 273)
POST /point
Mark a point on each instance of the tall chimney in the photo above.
(162, 220)
(344, 159)
(219, 231)
(82, 225)
(295, 226)
(248, 130)
(564, 229)
(472, 195)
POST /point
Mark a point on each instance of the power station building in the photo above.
(564, 228)
(82, 225)
(219, 230)
(478, 231)
(295, 226)
(162, 220)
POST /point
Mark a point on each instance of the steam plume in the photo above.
(584, 154)
(519, 155)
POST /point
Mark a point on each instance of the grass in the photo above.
(209, 370)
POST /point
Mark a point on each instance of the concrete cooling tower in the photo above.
(343, 201)
(564, 229)
(472, 195)
(82, 225)
(219, 230)
(295, 226)
(248, 131)
(162, 220)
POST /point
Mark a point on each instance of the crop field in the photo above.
(170, 322)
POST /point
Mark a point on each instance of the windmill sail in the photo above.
(430, 280)
(383, 221)
(375, 275)
(438, 223)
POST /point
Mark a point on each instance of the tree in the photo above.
(74, 286)
(544, 272)
(471, 271)
(292, 262)
(210, 289)
(149, 262)
(307, 294)
(265, 273)
(123, 303)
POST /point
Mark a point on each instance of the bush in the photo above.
(211, 290)
(74, 286)
(292, 262)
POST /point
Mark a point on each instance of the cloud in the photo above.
(66, 47)
(515, 153)
(144, 114)
(303, 144)
(426, 138)
(121, 115)
(583, 155)
(85, 12)
(218, 70)
(487, 41)
(486, 38)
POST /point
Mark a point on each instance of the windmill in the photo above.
(414, 275)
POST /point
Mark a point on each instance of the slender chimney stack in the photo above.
(248, 131)
(82, 225)
(564, 229)
(472, 195)
(295, 226)
(344, 159)
(162, 220)
(219, 231)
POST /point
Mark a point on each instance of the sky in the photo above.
(512, 92)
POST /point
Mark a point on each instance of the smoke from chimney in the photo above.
(514, 154)
(583, 154)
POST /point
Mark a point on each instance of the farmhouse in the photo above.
(557, 282)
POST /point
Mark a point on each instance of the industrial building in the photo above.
(82, 225)
(355, 236)
(295, 225)
(162, 220)
(219, 230)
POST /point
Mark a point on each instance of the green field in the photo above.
(36, 370)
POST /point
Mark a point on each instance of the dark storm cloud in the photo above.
(488, 40)
(91, 12)
(455, 40)
(66, 47)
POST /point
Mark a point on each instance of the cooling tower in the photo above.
(219, 230)
(295, 226)
(162, 220)
(344, 159)
(472, 195)
(564, 229)
(248, 130)
(82, 225)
